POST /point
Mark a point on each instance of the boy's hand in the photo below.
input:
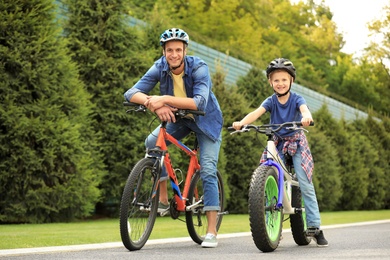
(306, 121)
(237, 125)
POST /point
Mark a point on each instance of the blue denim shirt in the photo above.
(198, 86)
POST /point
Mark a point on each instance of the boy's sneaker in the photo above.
(320, 239)
(318, 236)
(210, 241)
(162, 208)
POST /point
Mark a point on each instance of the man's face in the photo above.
(280, 81)
(174, 52)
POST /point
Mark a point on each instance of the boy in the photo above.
(286, 106)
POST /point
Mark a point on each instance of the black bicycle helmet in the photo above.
(174, 34)
(281, 64)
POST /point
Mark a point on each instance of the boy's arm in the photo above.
(249, 118)
(306, 115)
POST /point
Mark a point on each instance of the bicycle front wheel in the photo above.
(265, 220)
(139, 205)
(196, 219)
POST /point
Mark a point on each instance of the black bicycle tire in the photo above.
(126, 207)
(196, 236)
(257, 209)
(297, 220)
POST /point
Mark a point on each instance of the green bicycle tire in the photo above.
(265, 221)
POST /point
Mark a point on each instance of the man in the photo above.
(185, 83)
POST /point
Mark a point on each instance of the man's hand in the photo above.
(154, 102)
(165, 113)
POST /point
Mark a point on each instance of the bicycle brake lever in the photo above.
(140, 109)
(297, 128)
(180, 112)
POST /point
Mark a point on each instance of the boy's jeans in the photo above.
(313, 218)
(208, 153)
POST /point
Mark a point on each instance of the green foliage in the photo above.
(327, 168)
(378, 195)
(111, 57)
(355, 168)
(255, 87)
(49, 164)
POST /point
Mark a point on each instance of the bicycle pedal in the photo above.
(164, 212)
(312, 232)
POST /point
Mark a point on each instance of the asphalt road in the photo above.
(368, 240)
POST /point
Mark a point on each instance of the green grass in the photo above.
(107, 230)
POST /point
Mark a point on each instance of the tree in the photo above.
(255, 87)
(379, 138)
(327, 170)
(111, 58)
(378, 54)
(49, 163)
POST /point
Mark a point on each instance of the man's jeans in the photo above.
(208, 153)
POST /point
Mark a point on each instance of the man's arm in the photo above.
(139, 98)
(156, 102)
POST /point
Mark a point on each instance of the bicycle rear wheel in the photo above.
(298, 220)
(196, 219)
(265, 221)
(139, 205)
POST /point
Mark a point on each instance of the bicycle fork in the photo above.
(284, 197)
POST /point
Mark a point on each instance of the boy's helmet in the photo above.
(174, 34)
(281, 64)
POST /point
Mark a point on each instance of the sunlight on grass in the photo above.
(107, 230)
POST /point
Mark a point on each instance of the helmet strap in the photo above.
(176, 67)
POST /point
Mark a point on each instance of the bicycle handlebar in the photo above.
(179, 112)
(295, 125)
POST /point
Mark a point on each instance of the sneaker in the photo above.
(317, 235)
(162, 208)
(210, 241)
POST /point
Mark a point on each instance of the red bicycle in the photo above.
(139, 203)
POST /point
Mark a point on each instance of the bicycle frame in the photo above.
(285, 180)
(193, 166)
(139, 203)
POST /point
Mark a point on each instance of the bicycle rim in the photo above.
(265, 220)
(139, 205)
(196, 219)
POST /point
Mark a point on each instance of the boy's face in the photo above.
(280, 81)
